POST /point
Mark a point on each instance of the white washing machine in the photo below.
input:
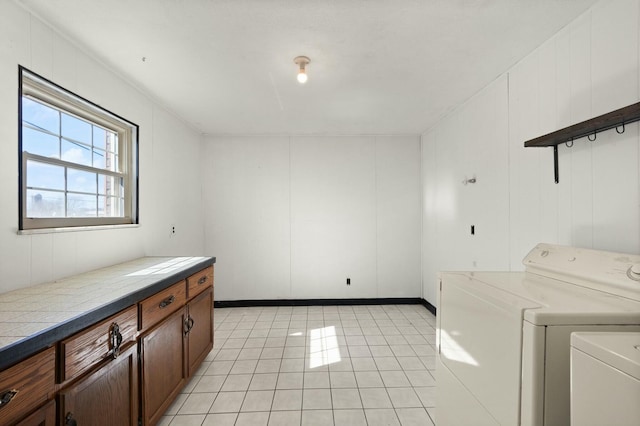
(504, 337)
(605, 379)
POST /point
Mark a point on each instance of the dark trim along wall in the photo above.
(321, 302)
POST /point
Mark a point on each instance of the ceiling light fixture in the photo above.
(302, 62)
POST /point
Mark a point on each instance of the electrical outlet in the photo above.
(348, 281)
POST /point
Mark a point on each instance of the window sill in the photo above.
(75, 229)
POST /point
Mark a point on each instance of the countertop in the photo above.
(34, 318)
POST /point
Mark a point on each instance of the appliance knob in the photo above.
(634, 272)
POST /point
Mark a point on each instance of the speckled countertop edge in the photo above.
(35, 318)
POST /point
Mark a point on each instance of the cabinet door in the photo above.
(163, 366)
(107, 396)
(27, 386)
(200, 334)
(44, 416)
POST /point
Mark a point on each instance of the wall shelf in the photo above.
(615, 119)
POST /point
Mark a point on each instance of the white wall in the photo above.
(587, 69)
(292, 217)
(470, 143)
(169, 163)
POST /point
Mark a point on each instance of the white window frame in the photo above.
(35, 87)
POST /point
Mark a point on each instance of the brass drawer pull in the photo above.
(166, 302)
(115, 337)
(202, 280)
(7, 396)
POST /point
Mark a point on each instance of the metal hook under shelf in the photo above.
(620, 132)
(595, 135)
(567, 143)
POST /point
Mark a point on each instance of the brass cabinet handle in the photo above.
(188, 325)
(7, 396)
(202, 280)
(115, 338)
(166, 302)
(69, 420)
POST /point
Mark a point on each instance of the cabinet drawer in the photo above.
(159, 306)
(27, 385)
(200, 281)
(85, 349)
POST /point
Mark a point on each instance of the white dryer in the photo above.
(504, 337)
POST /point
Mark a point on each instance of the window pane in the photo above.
(112, 142)
(98, 159)
(122, 187)
(110, 206)
(111, 162)
(109, 185)
(76, 153)
(76, 129)
(79, 205)
(81, 181)
(40, 115)
(40, 175)
(40, 143)
(45, 203)
(102, 184)
(99, 137)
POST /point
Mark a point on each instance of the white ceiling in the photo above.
(377, 66)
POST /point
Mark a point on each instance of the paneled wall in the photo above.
(169, 165)
(470, 144)
(292, 217)
(588, 68)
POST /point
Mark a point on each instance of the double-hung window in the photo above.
(78, 162)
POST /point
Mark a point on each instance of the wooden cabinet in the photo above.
(124, 370)
(84, 350)
(173, 349)
(45, 416)
(105, 397)
(27, 386)
(200, 332)
(162, 366)
(200, 281)
(99, 373)
(155, 308)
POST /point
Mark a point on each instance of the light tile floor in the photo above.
(316, 365)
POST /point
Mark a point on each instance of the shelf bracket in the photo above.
(555, 164)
